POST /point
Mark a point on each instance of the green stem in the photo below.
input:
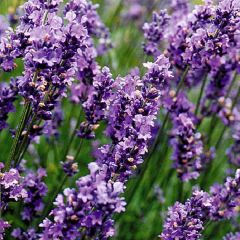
(182, 79)
(211, 129)
(78, 150)
(220, 137)
(201, 93)
(72, 135)
(22, 147)
(20, 128)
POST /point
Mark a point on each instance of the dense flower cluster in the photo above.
(188, 152)
(186, 221)
(3, 226)
(12, 189)
(86, 12)
(232, 236)
(69, 166)
(18, 234)
(130, 119)
(7, 97)
(55, 49)
(226, 198)
(85, 207)
(206, 39)
(154, 32)
(36, 190)
(97, 102)
(187, 147)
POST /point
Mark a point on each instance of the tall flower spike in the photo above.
(226, 198)
(7, 97)
(188, 153)
(154, 32)
(3, 226)
(232, 236)
(56, 46)
(206, 39)
(12, 189)
(92, 21)
(36, 190)
(132, 110)
(97, 102)
(187, 148)
(185, 221)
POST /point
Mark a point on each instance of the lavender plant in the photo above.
(110, 131)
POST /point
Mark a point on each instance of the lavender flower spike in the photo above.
(134, 105)
(12, 189)
(3, 225)
(232, 236)
(185, 221)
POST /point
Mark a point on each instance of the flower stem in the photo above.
(72, 136)
(20, 128)
(22, 147)
(78, 150)
(201, 93)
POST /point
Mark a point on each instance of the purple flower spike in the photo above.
(12, 188)
(36, 190)
(185, 221)
(3, 225)
(232, 236)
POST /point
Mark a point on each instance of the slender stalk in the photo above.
(23, 152)
(220, 137)
(201, 93)
(157, 139)
(78, 150)
(20, 128)
(117, 11)
(24, 141)
(179, 87)
(72, 135)
(24, 118)
(153, 177)
(213, 124)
